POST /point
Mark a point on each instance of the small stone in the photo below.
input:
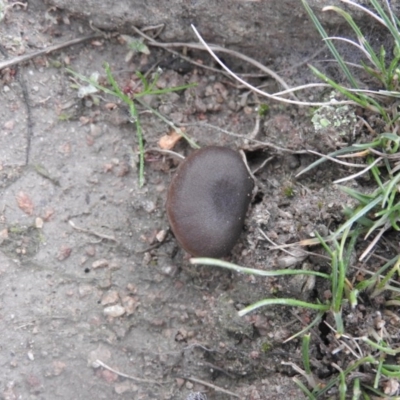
(64, 252)
(181, 335)
(189, 385)
(114, 265)
(131, 287)
(39, 223)
(90, 251)
(3, 235)
(102, 263)
(160, 236)
(114, 311)
(179, 382)
(110, 297)
(84, 290)
(391, 387)
(122, 170)
(100, 353)
(169, 270)
(108, 376)
(146, 258)
(158, 322)
(122, 387)
(130, 304)
(9, 125)
(95, 130)
(58, 367)
(31, 356)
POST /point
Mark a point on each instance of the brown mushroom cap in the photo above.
(208, 200)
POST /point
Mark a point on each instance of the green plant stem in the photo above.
(305, 352)
(365, 360)
(280, 272)
(284, 302)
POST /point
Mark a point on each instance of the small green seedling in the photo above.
(149, 88)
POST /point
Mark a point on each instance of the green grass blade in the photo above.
(364, 43)
(151, 91)
(305, 353)
(394, 30)
(356, 389)
(315, 321)
(362, 198)
(283, 302)
(301, 385)
(144, 81)
(346, 150)
(342, 385)
(354, 366)
(135, 116)
(330, 45)
(359, 100)
(253, 271)
(359, 214)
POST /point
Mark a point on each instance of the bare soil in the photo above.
(94, 302)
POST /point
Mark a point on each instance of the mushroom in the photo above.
(207, 201)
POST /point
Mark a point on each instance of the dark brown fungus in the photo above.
(208, 200)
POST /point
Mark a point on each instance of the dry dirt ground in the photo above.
(94, 302)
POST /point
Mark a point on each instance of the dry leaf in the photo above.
(167, 142)
(25, 203)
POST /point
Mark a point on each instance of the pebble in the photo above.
(90, 251)
(110, 297)
(100, 264)
(189, 385)
(39, 223)
(114, 311)
(58, 367)
(84, 290)
(122, 387)
(130, 304)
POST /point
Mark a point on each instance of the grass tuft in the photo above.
(371, 370)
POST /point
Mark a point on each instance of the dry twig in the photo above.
(210, 385)
(47, 50)
(133, 378)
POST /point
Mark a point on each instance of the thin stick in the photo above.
(197, 46)
(100, 235)
(336, 160)
(347, 178)
(371, 14)
(133, 378)
(47, 50)
(244, 137)
(210, 385)
(265, 94)
(284, 250)
(373, 243)
(263, 164)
